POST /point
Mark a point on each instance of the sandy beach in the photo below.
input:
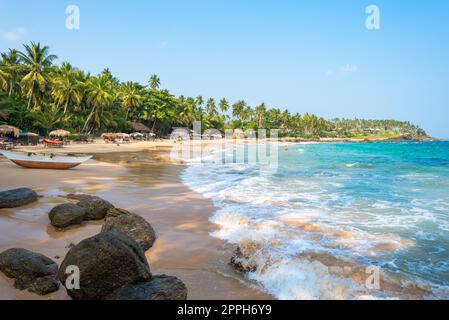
(130, 177)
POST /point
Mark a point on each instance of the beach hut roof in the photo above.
(6, 129)
(140, 127)
(122, 135)
(60, 133)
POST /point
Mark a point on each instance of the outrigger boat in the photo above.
(37, 161)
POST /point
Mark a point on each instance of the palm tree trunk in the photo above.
(88, 118)
(31, 96)
(11, 83)
(154, 125)
(65, 107)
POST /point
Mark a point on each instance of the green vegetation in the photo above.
(37, 95)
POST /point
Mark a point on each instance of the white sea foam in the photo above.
(308, 213)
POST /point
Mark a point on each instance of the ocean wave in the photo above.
(294, 212)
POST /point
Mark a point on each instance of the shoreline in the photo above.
(150, 188)
(99, 146)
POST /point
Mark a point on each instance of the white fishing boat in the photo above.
(40, 161)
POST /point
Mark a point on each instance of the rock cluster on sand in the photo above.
(66, 214)
(132, 225)
(32, 271)
(88, 208)
(106, 262)
(17, 197)
(113, 266)
(96, 208)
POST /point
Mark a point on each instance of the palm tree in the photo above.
(66, 87)
(187, 114)
(130, 97)
(37, 62)
(246, 114)
(199, 101)
(6, 107)
(211, 108)
(48, 118)
(154, 82)
(224, 105)
(237, 109)
(4, 79)
(11, 65)
(261, 111)
(99, 96)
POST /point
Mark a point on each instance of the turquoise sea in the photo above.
(368, 204)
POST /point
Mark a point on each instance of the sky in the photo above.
(304, 56)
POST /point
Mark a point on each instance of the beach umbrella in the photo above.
(60, 133)
(28, 134)
(6, 129)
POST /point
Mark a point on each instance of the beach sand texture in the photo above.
(145, 186)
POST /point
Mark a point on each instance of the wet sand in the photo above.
(142, 185)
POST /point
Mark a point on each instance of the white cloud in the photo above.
(349, 68)
(14, 35)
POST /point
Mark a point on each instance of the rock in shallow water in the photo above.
(17, 197)
(132, 225)
(96, 208)
(158, 288)
(30, 270)
(245, 256)
(67, 214)
(107, 262)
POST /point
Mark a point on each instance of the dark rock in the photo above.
(116, 212)
(67, 214)
(77, 196)
(107, 261)
(96, 208)
(17, 197)
(44, 285)
(132, 225)
(246, 256)
(158, 288)
(30, 270)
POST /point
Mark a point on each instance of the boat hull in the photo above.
(34, 161)
(45, 165)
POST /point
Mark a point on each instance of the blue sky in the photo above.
(314, 56)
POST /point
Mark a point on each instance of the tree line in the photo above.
(38, 95)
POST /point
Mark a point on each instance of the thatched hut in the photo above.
(60, 134)
(6, 130)
(238, 134)
(114, 136)
(140, 127)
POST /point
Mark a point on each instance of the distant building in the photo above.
(140, 127)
